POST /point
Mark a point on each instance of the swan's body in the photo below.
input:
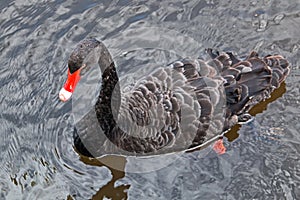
(175, 107)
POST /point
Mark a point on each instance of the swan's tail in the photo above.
(248, 81)
(280, 69)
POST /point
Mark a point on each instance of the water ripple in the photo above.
(37, 157)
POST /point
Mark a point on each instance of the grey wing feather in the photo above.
(181, 100)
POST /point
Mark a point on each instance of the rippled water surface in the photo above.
(37, 159)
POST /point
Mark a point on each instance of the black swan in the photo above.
(174, 108)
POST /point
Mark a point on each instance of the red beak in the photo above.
(66, 92)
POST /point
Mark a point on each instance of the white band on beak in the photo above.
(64, 95)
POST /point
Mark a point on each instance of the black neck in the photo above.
(108, 102)
(109, 99)
(107, 109)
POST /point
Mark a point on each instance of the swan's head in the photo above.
(78, 61)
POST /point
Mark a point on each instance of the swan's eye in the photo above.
(83, 69)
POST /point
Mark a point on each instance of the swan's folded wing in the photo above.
(173, 108)
(249, 81)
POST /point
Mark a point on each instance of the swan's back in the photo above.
(173, 108)
(192, 101)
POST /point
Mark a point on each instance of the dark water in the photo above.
(37, 157)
